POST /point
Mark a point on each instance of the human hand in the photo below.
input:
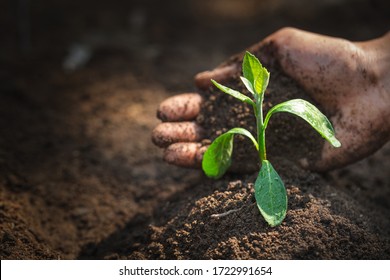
(336, 73)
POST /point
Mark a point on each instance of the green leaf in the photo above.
(261, 81)
(243, 131)
(309, 113)
(234, 93)
(256, 75)
(248, 85)
(217, 158)
(251, 67)
(271, 195)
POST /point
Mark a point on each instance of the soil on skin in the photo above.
(81, 179)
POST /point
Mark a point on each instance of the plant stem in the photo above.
(261, 141)
(260, 126)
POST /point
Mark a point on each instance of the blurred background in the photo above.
(80, 82)
(162, 33)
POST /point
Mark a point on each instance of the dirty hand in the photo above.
(351, 81)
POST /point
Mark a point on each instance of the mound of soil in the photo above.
(80, 178)
(220, 220)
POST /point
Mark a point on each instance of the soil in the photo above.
(222, 112)
(80, 178)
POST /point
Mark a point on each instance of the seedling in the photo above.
(270, 192)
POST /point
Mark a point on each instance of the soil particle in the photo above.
(322, 223)
(286, 136)
(80, 178)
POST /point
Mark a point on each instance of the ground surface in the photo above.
(80, 178)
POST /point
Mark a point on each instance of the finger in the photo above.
(182, 107)
(233, 67)
(220, 74)
(168, 133)
(191, 155)
(185, 154)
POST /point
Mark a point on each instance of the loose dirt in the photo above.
(80, 178)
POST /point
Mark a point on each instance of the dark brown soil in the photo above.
(80, 178)
(323, 222)
(225, 223)
(287, 136)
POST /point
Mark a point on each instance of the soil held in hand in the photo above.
(220, 219)
(287, 135)
(80, 178)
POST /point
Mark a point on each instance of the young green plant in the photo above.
(270, 192)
